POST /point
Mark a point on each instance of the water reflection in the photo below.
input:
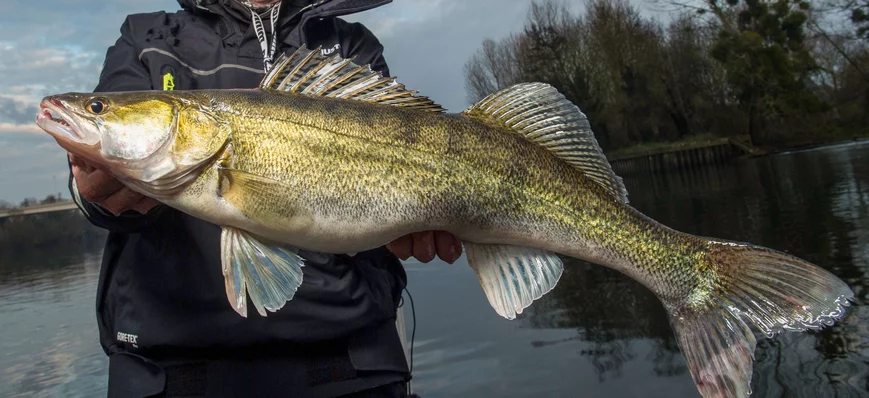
(614, 312)
(812, 204)
(37, 245)
(49, 345)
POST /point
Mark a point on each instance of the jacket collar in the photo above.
(309, 9)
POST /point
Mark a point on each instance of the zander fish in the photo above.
(329, 156)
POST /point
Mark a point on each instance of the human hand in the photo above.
(424, 246)
(98, 186)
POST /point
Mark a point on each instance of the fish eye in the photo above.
(97, 106)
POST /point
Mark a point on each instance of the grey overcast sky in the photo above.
(59, 46)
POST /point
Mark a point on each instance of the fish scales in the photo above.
(477, 176)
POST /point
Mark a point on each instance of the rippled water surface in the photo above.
(598, 334)
(49, 345)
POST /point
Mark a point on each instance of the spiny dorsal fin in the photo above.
(541, 114)
(312, 73)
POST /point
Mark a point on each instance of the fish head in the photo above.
(144, 136)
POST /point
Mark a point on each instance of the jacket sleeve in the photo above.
(357, 41)
(122, 71)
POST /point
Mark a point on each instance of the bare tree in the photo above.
(491, 68)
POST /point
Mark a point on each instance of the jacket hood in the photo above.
(303, 9)
(234, 9)
(214, 5)
(317, 8)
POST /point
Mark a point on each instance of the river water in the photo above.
(598, 334)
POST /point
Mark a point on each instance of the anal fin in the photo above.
(269, 273)
(513, 277)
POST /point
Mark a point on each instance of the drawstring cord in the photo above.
(259, 28)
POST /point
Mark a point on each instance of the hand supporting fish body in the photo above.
(329, 156)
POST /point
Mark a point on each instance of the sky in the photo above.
(61, 46)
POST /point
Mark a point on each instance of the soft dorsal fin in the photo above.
(310, 72)
(541, 114)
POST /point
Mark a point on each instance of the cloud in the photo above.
(31, 165)
(30, 72)
(58, 47)
(9, 128)
(16, 111)
(55, 47)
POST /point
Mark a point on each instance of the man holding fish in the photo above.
(162, 310)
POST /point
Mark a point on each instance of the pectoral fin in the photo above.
(268, 272)
(513, 277)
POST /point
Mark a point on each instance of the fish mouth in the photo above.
(57, 121)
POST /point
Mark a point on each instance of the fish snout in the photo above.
(55, 119)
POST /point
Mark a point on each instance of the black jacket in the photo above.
(161, 298)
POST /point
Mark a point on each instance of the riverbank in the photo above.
(689, 143)
(818, 144)
(709, 140)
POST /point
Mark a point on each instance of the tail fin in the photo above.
(770, 290)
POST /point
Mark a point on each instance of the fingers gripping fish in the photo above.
(329, 156)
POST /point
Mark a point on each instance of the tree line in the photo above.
(27, 202)
(33, 238)
(765, 70)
